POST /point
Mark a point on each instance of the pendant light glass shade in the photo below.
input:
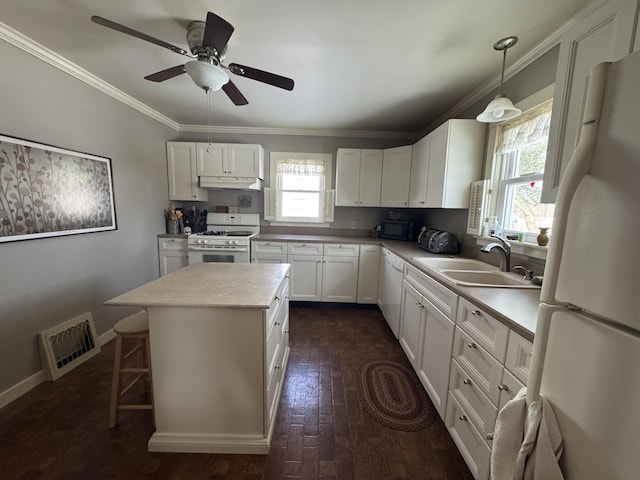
(206, 75)
(500, 108)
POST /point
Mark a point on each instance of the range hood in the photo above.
(231, 183)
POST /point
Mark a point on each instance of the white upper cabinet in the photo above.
(396, 174)
(419, 171)
(444, 164)
(606, 34)
(230, 160)
(455, 160)
(182, 175)
(358, 177)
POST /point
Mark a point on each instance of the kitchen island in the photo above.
(219, 351)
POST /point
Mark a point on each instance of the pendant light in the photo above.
(500, 108)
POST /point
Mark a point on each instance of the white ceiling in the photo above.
(359, 65)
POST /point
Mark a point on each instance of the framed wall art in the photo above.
(47, 191)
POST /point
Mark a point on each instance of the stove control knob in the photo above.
(199, 242)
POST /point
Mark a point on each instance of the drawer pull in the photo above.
(277, 298)
(277, 323)
(489, 436)
(277, 367)
(472, 345)
(503, 388)
(286, 331)
(467, 381)
(462, 418)
(476, 312)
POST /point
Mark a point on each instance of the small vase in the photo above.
(543, 238)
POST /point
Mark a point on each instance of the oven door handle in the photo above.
(229, 249)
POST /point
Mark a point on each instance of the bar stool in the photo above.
(134, 327)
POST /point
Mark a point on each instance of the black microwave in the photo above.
(398, 230)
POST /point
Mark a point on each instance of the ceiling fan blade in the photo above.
(262, 76)
(234, 94)
(217, 32)
(163, 75)
(142, 36)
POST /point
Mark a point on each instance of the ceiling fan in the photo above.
(208, 44)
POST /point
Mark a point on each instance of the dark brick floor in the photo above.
(58, 430)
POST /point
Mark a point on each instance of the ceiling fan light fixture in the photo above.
(206, 75)
(501, 108)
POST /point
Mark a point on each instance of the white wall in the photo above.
(46, 281)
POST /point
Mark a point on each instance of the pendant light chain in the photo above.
(208, 92)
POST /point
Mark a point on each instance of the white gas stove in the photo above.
(227, 238)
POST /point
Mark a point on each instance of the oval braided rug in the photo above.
(391, 394)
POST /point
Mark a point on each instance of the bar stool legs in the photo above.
(131, 330)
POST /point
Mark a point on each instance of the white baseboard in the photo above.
(29, 383)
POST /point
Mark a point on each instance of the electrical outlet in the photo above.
(353, 224)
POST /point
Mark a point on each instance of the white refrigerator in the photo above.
(586, 358)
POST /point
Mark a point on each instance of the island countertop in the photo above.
(221, 285)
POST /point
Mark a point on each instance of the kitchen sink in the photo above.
(454, 264)
(473, 273)
(494, 278)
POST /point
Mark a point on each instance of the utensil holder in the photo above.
(173, 226)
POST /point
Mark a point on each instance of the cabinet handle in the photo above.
(467, 381)
(463, 418)
(503, 388)
(489, 436)
(421, 201)
(476, 312)
(277, 367)
(277, 298)
(472, 345)
(286, 331)
(277, 323)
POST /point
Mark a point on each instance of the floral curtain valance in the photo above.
(527, 129)
(307, 167)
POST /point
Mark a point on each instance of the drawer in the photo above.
(304, 249)
(479, 408)
(441, 297)
(486, 330)
(519, 356)
(341, 250)
(172, 244)
(268, 258)
(470, 442)
(272, 351)
(509, 386)
(483, 369)
(273, 248)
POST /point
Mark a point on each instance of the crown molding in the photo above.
(41, 52)
(527, 59)
(304, 132)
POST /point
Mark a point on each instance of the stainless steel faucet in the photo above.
(504, 248)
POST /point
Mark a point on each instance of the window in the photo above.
(521, 153)
(299, 190)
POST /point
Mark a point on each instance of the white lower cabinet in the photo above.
(489, 365)
(268, 252)
(426, 332)
(368, 273)
(172, 254)
(306, 277)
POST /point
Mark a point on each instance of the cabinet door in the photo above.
(419, 172)
(411, 323)
(306, 277)
(370, 178)
(435, 355)
(437, 153)
(172, 260)
(212, 159)
(382, 281)
(396, 173)
(368, 273)
(245, 161)
(599, 37)
(339, 279)
(348, 177)
(181, 170)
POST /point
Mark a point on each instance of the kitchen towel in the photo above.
(527, 442)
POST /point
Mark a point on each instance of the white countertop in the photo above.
(221, 285)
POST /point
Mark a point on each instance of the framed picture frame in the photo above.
(47, 191)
